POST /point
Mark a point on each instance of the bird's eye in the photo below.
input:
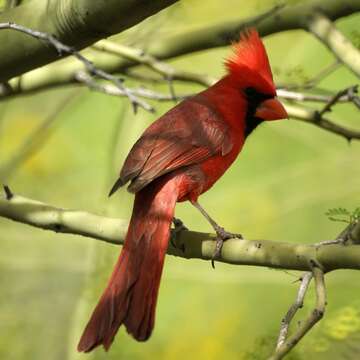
(250, 93)
(255, 96)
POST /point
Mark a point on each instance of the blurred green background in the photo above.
(289, 174)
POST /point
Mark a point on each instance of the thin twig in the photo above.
(109, 89)
(348, 96)
(349, 93)
(311, 116)
(344, 238)
(312, 319)
(322, 74)
(353, 97)
(298, 304)
(93, 70)
(316, 79)
(8, 193)
(141, 57)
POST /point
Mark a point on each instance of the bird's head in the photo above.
(249, 71)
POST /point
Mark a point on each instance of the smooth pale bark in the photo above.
(337, 43)
(288, 17)
(189, 244)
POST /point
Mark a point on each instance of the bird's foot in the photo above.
(221, 236)
(178, 228)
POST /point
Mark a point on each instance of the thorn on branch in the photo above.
(8, 193)
(285, 344)
(349, 92)
(298, 304)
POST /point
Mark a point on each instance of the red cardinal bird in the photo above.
(179, 157)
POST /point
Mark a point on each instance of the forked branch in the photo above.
(316, 314)
(298, 304)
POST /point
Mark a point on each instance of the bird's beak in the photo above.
(271, 109)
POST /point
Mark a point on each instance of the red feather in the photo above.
(130, 297)
(250, 63)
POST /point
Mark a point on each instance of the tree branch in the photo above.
(320, 76)
(313, 318)
(275, 20)
(110, 89)
(188, 244)
(61, 48)
(78, 23)
(323, 28)
(350, 95)
(284, 345)
(312, 116)
(302, 114)
(140, 57)
(298, 304)
(344, 96)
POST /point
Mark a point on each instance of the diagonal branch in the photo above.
(78, 23)
(320, 76)
(276, 19)
(313, 318)
(140, 57)
(61, 48)
(110, 89)
(298, 304)
(311, 116)
(349, 93)
(323, 28)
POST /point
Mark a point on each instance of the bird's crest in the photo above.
(249, 59)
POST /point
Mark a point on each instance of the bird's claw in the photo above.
(225, 235)
(221, 236)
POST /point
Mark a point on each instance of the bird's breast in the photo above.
(214, 167)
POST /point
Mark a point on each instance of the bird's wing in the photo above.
(186, 135)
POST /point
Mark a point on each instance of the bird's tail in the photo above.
(131, 294)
